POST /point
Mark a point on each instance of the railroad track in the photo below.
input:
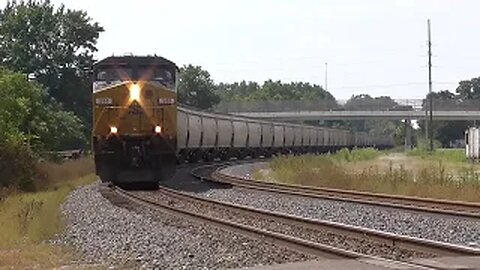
(417, 204)
(173, 201)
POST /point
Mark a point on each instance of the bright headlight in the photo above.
(113, 130)
(134, 92)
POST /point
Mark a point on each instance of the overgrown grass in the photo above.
(440, 176)
(310, 160)
(41, 256)
(52, 175)
(356, 154)
(449, 155)
(27, 219)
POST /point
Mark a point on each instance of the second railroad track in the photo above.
(417, 204)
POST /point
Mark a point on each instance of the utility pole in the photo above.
(326, 76)
(430, 85)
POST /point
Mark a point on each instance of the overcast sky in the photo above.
(375, 47)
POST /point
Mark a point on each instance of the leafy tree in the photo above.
(26, 113)
(273, 95)
(196, 88)
(29, 123)
(469, 89)
(366, 102)
(56, 45)
(276, 90)
(444, 95)
(17, 162)
(272, 90)
(400, 132)
(446, 131)
(237, 91)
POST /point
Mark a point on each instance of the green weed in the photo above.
(27, 219)
(450, 155)
(439, 176)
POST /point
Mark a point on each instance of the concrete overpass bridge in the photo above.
(387, 109)
(304, 115)
(382, 108)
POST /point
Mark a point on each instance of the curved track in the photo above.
(431, 248)
(417, 204)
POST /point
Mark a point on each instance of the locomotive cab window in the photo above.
(113, 74)
(161, 75)
(106, 77)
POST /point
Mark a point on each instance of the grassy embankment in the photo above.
(444, 174)
(27, 219)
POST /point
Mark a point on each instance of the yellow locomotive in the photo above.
(134, 134)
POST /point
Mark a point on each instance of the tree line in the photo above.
(224, 96)
(45, 57)
(196, 88)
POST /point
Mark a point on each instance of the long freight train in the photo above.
(140, 133)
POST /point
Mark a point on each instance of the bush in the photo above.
(17, 164)
(54, 174)
(20, 168)
(26, 111)
(424, 144)
(30, 122)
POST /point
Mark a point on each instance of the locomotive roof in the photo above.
(134, 61)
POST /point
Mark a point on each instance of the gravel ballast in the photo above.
(362, 245)
(149, 239)
(435, 227)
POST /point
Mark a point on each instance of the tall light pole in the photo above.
(430, 84)
(326, 76)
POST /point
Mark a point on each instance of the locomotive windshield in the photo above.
(109, 76)
(114, 75)
(161, 75)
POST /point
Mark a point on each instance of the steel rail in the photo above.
(298, 244)
(276, 238)
(436, 206)
(407, 242)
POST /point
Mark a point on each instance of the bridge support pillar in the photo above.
(408, 135)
